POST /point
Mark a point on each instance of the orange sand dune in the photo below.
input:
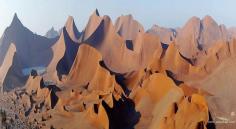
(115, 76)
(64, 52)
(163, 105)
(127, 27)
(104, 38)
(198, 35)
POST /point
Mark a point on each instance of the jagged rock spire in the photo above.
(52, 29)
(52, 33)
(16, 21)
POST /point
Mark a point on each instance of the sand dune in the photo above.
(89, 95)
(113, 47)
(92, 25)
(219, 81)
(221, 85)
(117, 76)
(127, 27)
(72, 29)
(64, 52)
(199, 35)
(162, 108)
(79, 99)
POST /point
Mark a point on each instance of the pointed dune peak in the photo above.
(65, 37)
(92, 25)
(71, 48)
(70, 20)
(64, 52)
(58, 51)
(187, 38)
(211, 32)
(72, 29)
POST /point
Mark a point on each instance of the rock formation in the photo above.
(32, 51)
(117, 76)
(52, 33)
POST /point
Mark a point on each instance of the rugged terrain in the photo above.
(118, 76)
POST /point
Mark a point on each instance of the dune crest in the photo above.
(72, 29)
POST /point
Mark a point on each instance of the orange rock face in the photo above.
(117, 76)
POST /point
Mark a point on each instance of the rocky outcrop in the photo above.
(52, 33)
